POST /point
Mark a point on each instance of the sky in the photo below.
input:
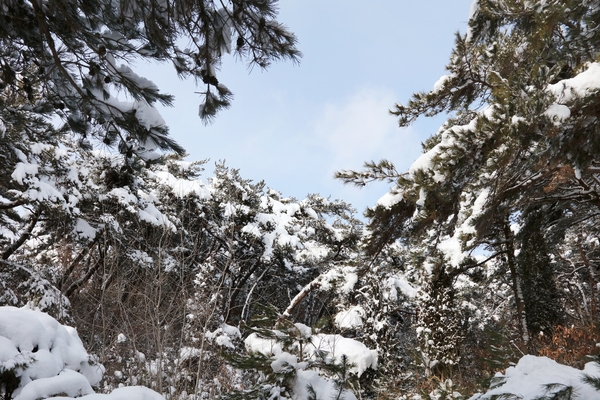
(293, 126)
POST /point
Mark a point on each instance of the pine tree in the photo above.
(540, 292)
(67, 87)
(522, 93)
(70, 58)
(438, 326)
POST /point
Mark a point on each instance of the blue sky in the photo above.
(294, 125)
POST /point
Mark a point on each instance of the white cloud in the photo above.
(360, 128)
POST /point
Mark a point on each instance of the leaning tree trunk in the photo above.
(592, 281)
(516, 285)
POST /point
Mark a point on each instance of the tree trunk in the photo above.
(593, 281)
(516, 285)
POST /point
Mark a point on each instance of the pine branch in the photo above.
(77, 260)
(24, 236)
(384, 170)
(594, 381)
(13, 204)
(313, 285)
(86, 277)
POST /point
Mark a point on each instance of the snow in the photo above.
(333, 347)
(84, 229)
(528, 379)
(331, 344)
(399, 282)
(426, 162)
(350, 318)
(256, 344)
(49, 359)
(323, 388)
(70, 382)
(229, 209)
(452, 246)
(305, 330)
(567, 90)
(285, 358)
(452, 249)
(224, 336)
(38, 148)
(281, 217)
(187, 353)
(123, 195)
(344, 278)
(182, 187)
(441, 82)
(22, 170)
(45, 191)
(558, 112)
(310, 212)
(584, 84)
(472, 13)
(152, 215)
(140, 82)
(148, 116)
(390, 199)
(124, 393)
(350, 279)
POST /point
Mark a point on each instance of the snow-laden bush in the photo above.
(40, 358)
(315, 347)
(292, 362)
(536, 378)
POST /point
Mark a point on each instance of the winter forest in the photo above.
(129, 272)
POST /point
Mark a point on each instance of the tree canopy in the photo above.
(74, 60)
(520, 145)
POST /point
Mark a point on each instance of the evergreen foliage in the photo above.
(285, 359)
(540, 293)
(521, 93)
(70, 58)
(80, 136)
(439, 332)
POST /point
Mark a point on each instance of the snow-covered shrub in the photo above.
(41, 358)
(292, 362)
(213, 251)
(22, 286)
(379, 312)
(536, 378)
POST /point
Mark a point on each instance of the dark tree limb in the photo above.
(26, 235)
(77, 260)
(12, 204)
